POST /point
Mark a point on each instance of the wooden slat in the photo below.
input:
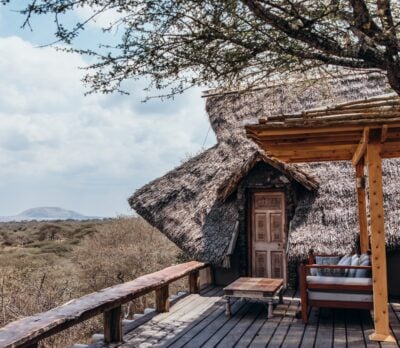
(266, 332)
(355, 337)
(280, 333)
(339, 330)
(231, 338)
(384, 133)
(324, 337)
(249, 335)
(196, 327)
(206, 337)
(310, 331)
(34, 328)
(167, 325)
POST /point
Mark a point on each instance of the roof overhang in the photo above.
(331, 134)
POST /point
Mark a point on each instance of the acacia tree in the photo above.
(225, 43)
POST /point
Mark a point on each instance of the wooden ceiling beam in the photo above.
(384, 133)
(362, 147)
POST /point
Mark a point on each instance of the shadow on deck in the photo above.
(200, 321)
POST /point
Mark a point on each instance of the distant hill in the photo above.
(47, 214)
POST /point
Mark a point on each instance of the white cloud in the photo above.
(58, 147)
(103, 20)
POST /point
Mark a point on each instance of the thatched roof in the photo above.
(190, 204)
(194, 206)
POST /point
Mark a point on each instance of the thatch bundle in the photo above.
(195, 204)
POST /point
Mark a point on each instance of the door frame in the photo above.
(250, 199)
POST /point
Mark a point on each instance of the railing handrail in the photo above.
(27, 331)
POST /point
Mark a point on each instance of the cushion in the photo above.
(364, 261)
(345, 261)
(328, 260)
(354, 262)
(338, 296)
(338, 280)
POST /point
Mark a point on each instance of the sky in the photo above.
(85, 153)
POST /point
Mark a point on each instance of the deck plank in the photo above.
(266, 331)
(355, 337)
(207, 332)
(233, 337)
(200, 321)
(339, 328)
(170, 322)
(179, 340)
(324, 337)
(310, 331)
(294, 335)
(394, 326)
(249, 335)
(227, 327)
(280, 333)
(367, 329)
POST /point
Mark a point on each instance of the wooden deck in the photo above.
(200, 321)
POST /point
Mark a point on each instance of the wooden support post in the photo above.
(162, 299)
(362, 207)
(378, 245)
(303, 293)
(113, 325)
(194, 282)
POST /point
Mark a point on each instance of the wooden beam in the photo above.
(113, 325)
(362, 207)
(384, 133)
(362, 147)
(378, 245)
(162, 299)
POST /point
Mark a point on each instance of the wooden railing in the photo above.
(27, 332)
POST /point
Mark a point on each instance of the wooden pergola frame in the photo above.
(364, 132)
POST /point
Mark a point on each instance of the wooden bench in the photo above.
(333, 292)
(27, 332)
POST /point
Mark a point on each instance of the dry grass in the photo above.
(43, 265)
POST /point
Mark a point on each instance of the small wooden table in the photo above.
(259, 288)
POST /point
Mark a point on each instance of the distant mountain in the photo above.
(47, 214)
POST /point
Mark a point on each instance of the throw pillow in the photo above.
(355, 261)
(328, 260)
(345, 261)
(364, 261)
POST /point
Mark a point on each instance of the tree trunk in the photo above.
(393, 75)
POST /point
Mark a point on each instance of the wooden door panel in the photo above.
(268, 202)
(261, 264)
(261, 227)
(268, 258)
(276, 227)
(277, 264)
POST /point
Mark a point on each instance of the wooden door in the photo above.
(268, 239)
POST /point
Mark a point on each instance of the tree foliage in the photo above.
(227, 43)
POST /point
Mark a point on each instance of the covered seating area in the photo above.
(364, 132)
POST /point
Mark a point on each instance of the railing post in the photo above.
(162, 299)
(113, 325)
(194, 282)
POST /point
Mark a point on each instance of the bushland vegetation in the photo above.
(45, 264)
